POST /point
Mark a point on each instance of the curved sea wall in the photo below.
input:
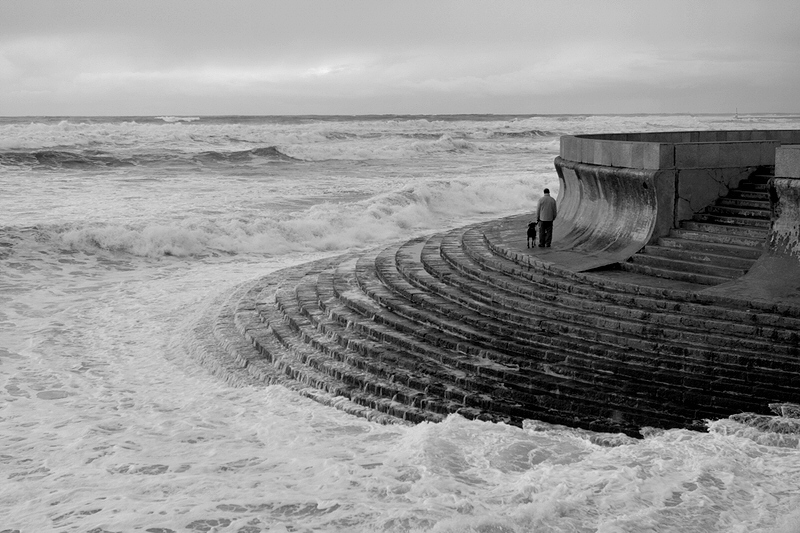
(471, 321)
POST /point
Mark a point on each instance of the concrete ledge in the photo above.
(668, 150)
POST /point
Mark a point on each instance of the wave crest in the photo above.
(522, 134)
(270, 153)
(172, 119)
(57, 159)
(60, 159)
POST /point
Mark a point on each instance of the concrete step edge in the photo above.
(680, 266)
(699, 257)
(717, 248)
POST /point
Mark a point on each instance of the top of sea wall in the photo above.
(678, 149)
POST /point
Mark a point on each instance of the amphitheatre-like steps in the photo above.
(463, 322)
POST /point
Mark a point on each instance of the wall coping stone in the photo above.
(680, 149)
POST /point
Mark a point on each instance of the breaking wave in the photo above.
(58, 159)
(269, 153)
(87, 159)
(523, 134)
(322, 227)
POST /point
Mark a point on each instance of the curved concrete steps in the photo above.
(624, 326)
(731, 336)
(462, 322)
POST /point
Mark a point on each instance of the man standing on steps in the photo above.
(546, 214)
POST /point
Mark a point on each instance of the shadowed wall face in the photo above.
(695, 188)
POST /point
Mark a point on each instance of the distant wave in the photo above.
(423, 136)
(270, 153)
(336, 135)
(61, 159)
(528, 133)
(342, 135)
(178, 119)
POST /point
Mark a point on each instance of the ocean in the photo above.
(118, 234)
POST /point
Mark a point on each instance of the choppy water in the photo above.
(117, 234)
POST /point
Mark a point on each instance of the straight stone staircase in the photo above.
(459, 322)
(719, 244)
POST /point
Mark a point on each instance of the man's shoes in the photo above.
(541, 246)
(547, 245)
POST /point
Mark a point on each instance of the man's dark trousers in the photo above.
(545, 232)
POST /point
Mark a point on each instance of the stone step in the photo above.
(500, 291)
(729, 220)
(491, 257)
(759, 204)
(758, 180)
(746, 232)
(668, 273)
(738, 212)
(685, 269)
(753, 187)
(751, 251)
(759, 195)
(699, 257)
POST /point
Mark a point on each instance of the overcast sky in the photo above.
(197, 57)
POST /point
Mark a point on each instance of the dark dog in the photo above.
(531, 234)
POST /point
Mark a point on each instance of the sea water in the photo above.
(118, 234)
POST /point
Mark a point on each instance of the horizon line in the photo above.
(200, 115)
